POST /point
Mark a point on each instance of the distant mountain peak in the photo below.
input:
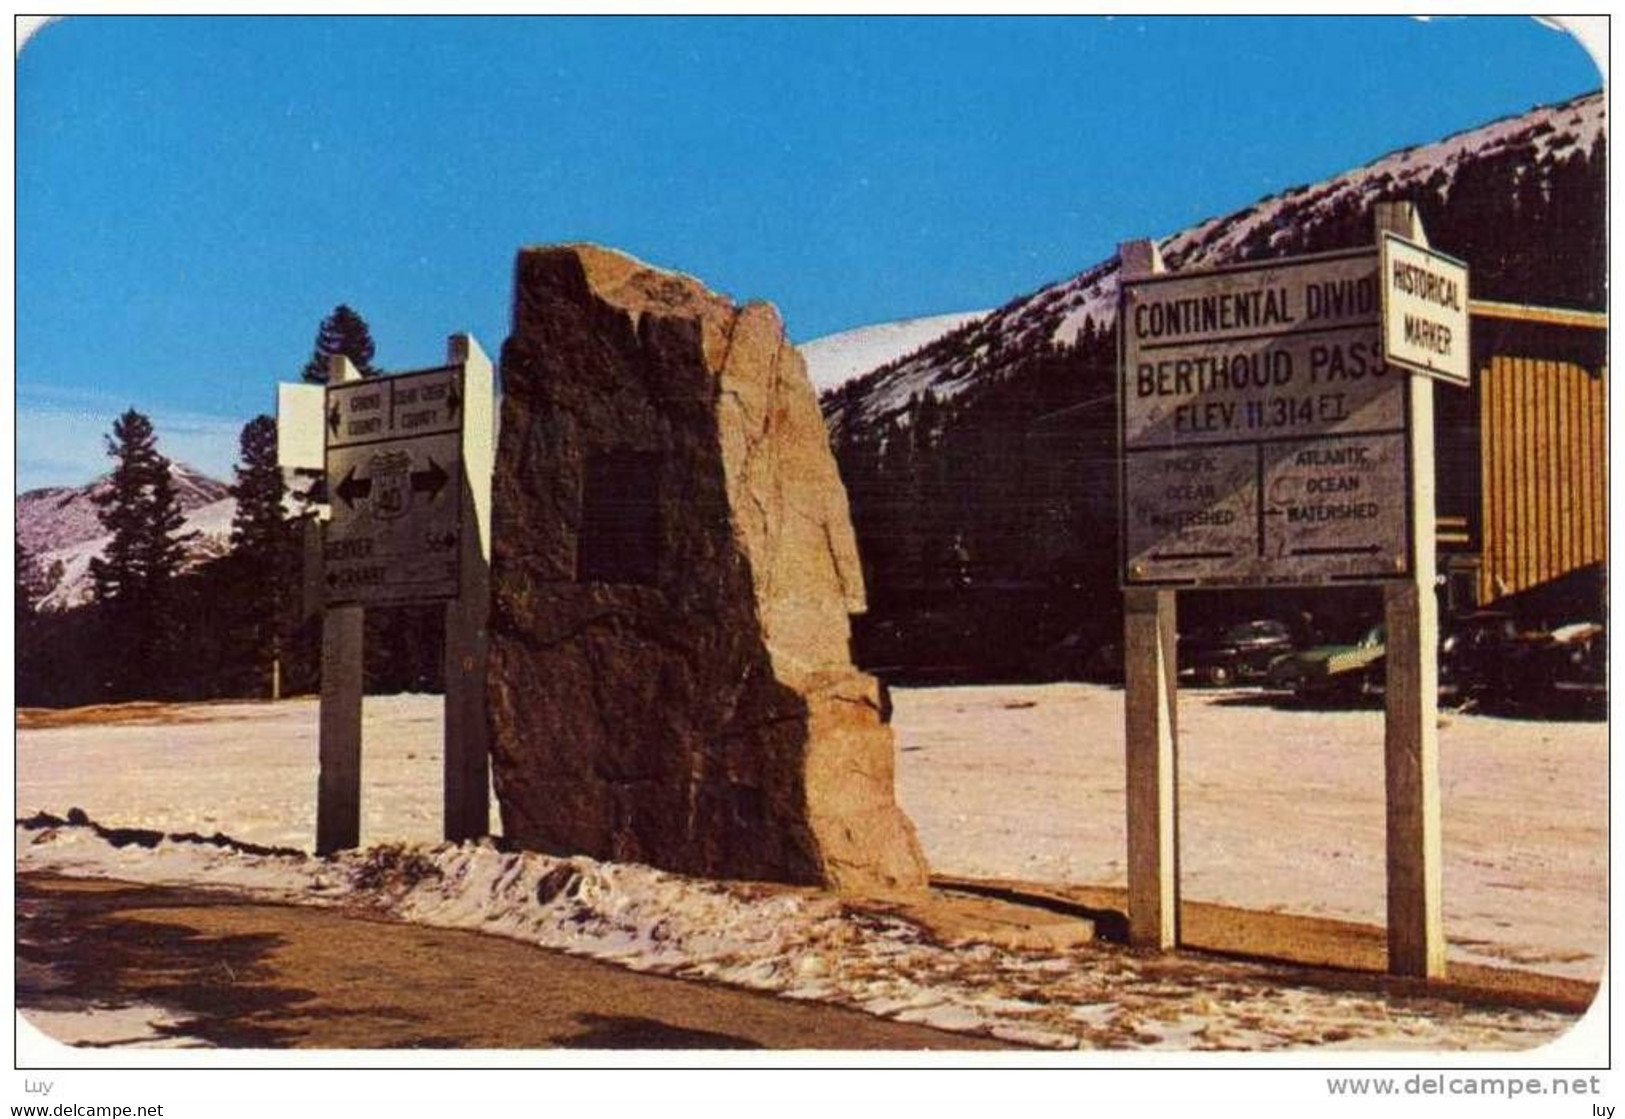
(835, 359)
(59, 527)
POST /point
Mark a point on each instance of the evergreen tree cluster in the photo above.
(1532, 229)
(235, 626)
(28, 592)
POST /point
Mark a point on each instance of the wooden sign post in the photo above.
(1411, 713)
(408, 461)
(1265, 441)
(338, 784)
(1151, 731)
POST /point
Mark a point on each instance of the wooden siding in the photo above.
(1544, 429)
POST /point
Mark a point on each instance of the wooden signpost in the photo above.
(1411, 710)
(408, 462)
(1265, 441)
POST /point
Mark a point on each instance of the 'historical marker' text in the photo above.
(1425, 325)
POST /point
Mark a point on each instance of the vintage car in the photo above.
(1332, 671)
(1576, 662)
(1228, 654)
(1487, 657)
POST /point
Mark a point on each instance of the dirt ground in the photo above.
(192, 969)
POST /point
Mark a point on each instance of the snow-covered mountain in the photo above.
(59, 528)
(58, 516)
(1516, 154)
(836, 358)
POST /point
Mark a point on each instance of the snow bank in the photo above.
(798, 944)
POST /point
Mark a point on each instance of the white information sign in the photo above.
(1263, 437)
(394, 483)
(1424, 310)
(299, 444)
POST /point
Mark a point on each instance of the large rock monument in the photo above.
(674, 569)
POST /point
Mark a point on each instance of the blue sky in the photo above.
(194, 194)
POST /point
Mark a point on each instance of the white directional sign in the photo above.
(1424, 310)
(394, 483)
(299, 444)
(1263, 436)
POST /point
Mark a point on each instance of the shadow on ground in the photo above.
(95, 955)
(229, 971)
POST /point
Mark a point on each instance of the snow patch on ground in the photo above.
(806, 945)
(1280, 809)
(111, 1027)
(248, 769)
(1012, 781)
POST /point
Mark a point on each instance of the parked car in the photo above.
(1493, 661)
(1233, 653)
(1331, 671)
(1576, 661)
(1487, 657)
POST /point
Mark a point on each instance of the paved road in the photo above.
(247, 974)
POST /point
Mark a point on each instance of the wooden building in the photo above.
(1523, 466)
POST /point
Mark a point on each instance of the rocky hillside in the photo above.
(1521, 199)
(58, 526)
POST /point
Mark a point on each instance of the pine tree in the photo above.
(133, 580)
(165, 543)
(261, 551)
(33, 629)
(259, 526)
(125, 508)
(342, 332)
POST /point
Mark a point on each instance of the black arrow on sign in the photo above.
(1366, 550)
(430, 481)
(333, 418)
(453, 401)
(352, 488)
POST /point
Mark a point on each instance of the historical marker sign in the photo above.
(1263, 437)
(1424, 316)
(394, 482)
